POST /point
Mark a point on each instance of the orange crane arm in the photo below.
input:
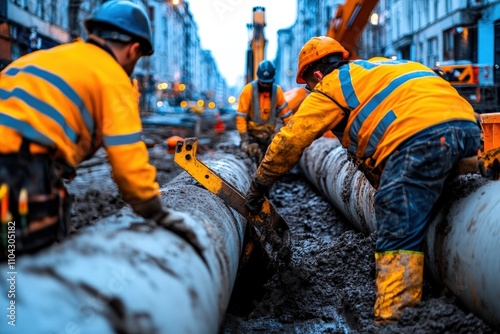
(348, 22)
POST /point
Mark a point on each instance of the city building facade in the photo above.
(433, 32)
(179, 70)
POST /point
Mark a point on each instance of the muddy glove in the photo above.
(149, 209)
(245, 141)
(254, 151)
(153, 209)
(255, 196)
(175, 222)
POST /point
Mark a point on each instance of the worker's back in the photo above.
(390, 101)
(55, 97)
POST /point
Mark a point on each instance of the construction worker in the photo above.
(57, 107)
(261, 104)
(409, 130)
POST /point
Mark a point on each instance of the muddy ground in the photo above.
(329, 287)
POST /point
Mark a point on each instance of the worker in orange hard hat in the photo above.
(52, 117)
(261, 104)
(407, 138)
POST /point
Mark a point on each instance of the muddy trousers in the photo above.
(411, 184)
(399, 277)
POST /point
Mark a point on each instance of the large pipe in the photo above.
(462, 241)
(125, 275)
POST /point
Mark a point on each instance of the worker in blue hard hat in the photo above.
(261, 104)
(57, 107)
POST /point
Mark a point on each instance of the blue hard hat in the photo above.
(266, 71)
(123, 16)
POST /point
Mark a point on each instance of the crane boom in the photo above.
(257, 44)
(348, 23)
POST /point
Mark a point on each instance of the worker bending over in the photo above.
(405, 125)
(57, 107)
(261, 104)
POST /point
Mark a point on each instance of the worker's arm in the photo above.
(283, 109)
(121, 132)
(315, 116)
(244, 105)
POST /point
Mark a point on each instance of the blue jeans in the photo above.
(413, 179)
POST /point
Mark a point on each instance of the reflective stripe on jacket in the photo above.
(250, 101)
(389, 101)
(75, 98)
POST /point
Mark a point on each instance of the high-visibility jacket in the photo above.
(258, 113)
(386, 101)
(71, 100)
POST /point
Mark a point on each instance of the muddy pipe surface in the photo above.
(463, 238)
(127, 275)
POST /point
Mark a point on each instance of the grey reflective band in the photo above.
(43, 108)
(126, 139)
(60, 84)
(112, 35)
(26, 130)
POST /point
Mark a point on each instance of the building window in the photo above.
(432, 51)
(22, 3)
(448, 6)
(427, 13)
(421, 52)
(465, 40)
(449, 44)
(40, 11)
(53, 12)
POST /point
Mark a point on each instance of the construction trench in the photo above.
(119, 274)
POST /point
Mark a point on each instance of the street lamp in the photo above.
(376, 40)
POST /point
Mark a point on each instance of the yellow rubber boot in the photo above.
(399, 276)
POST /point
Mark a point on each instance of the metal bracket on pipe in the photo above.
(269, 229)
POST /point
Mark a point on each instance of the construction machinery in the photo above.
(348, 23)
(474, 82)
(257, 43)
(489, 163)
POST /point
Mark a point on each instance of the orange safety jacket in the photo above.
(384, 102)
(69, 101)
(258, 112)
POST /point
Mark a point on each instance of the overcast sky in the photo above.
(223, 30)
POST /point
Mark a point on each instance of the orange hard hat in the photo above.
(317, 48)
(172, 142)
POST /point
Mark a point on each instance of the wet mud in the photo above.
(329, 285)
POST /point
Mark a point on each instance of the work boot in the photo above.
(399, 276)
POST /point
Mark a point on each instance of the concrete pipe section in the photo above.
(125, 275)
(462, 241)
